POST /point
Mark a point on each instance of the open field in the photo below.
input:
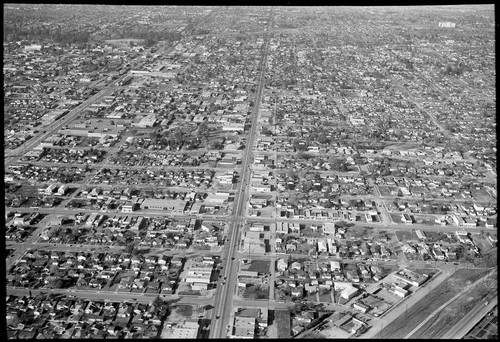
(404, 324)
(404, 235)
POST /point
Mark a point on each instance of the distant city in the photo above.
(250, 172)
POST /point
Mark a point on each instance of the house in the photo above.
(281, 265)
(310, 288)
(322, 246)
(405, 218)
(296, 265)
(297, 291)
(306, 316)
(361, 307)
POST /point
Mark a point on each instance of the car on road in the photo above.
(232, 258)
(217, 317)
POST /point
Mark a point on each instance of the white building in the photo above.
(322, 246)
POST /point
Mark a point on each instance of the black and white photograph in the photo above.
(189, 171)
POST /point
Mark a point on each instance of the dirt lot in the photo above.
(404, 324)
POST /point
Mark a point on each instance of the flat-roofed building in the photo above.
(411, 277)
(420, 234)
(321, 246)
(244, 327)
(329, 228)
(185, 330)
(176, 206)
(349, 292)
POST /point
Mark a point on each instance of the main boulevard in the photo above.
(227, 285)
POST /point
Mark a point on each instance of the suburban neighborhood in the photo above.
(250, 172)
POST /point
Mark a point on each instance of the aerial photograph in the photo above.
(263, 172)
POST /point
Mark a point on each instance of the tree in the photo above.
(129, 248)
(266, 131)
(202, 129)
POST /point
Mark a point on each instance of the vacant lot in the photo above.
(359, 233)
(404, 235)
(404, 324)
(413, 256)
(261, 266)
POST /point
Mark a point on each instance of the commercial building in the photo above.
(411, 277)
(175, 206)
(244, 327)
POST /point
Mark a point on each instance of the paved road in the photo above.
(395, 312)
(111, 213)
(472, 318)
(112, 295)
(106, 165)
(458, 295)
(224, 296)
(13, 155)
